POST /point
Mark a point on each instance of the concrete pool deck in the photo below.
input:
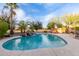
(71, 49)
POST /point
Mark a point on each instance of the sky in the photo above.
(43, 12)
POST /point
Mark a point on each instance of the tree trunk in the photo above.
(24, 30)
(21, 30)
(11, 26)
(11, 31)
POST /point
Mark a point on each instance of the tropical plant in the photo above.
(31, 24)
(71, 20)
(51, 25)
(36, 25)
(3, 28)
(54, 22)
(59, 25)
(22, 26)
(11, 7)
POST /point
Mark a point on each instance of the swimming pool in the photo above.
(34, 42)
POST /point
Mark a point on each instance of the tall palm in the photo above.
(11, 7)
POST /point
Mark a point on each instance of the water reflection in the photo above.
(53, 38)
(55, 41)
(33, 42)
(24, 43)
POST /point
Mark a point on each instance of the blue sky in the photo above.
(44, 11)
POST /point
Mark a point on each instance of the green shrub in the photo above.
(76, 28)
(51, 25)
(3, 28)
(59, 25)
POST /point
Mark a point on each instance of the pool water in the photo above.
(34, 42)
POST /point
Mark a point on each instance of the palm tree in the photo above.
(22, 26)
(11, 7)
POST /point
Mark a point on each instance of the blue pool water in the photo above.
(34, 42)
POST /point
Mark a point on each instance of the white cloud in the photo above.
(46, 19)
(1, 7)
(21, 15)
(67, 9)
